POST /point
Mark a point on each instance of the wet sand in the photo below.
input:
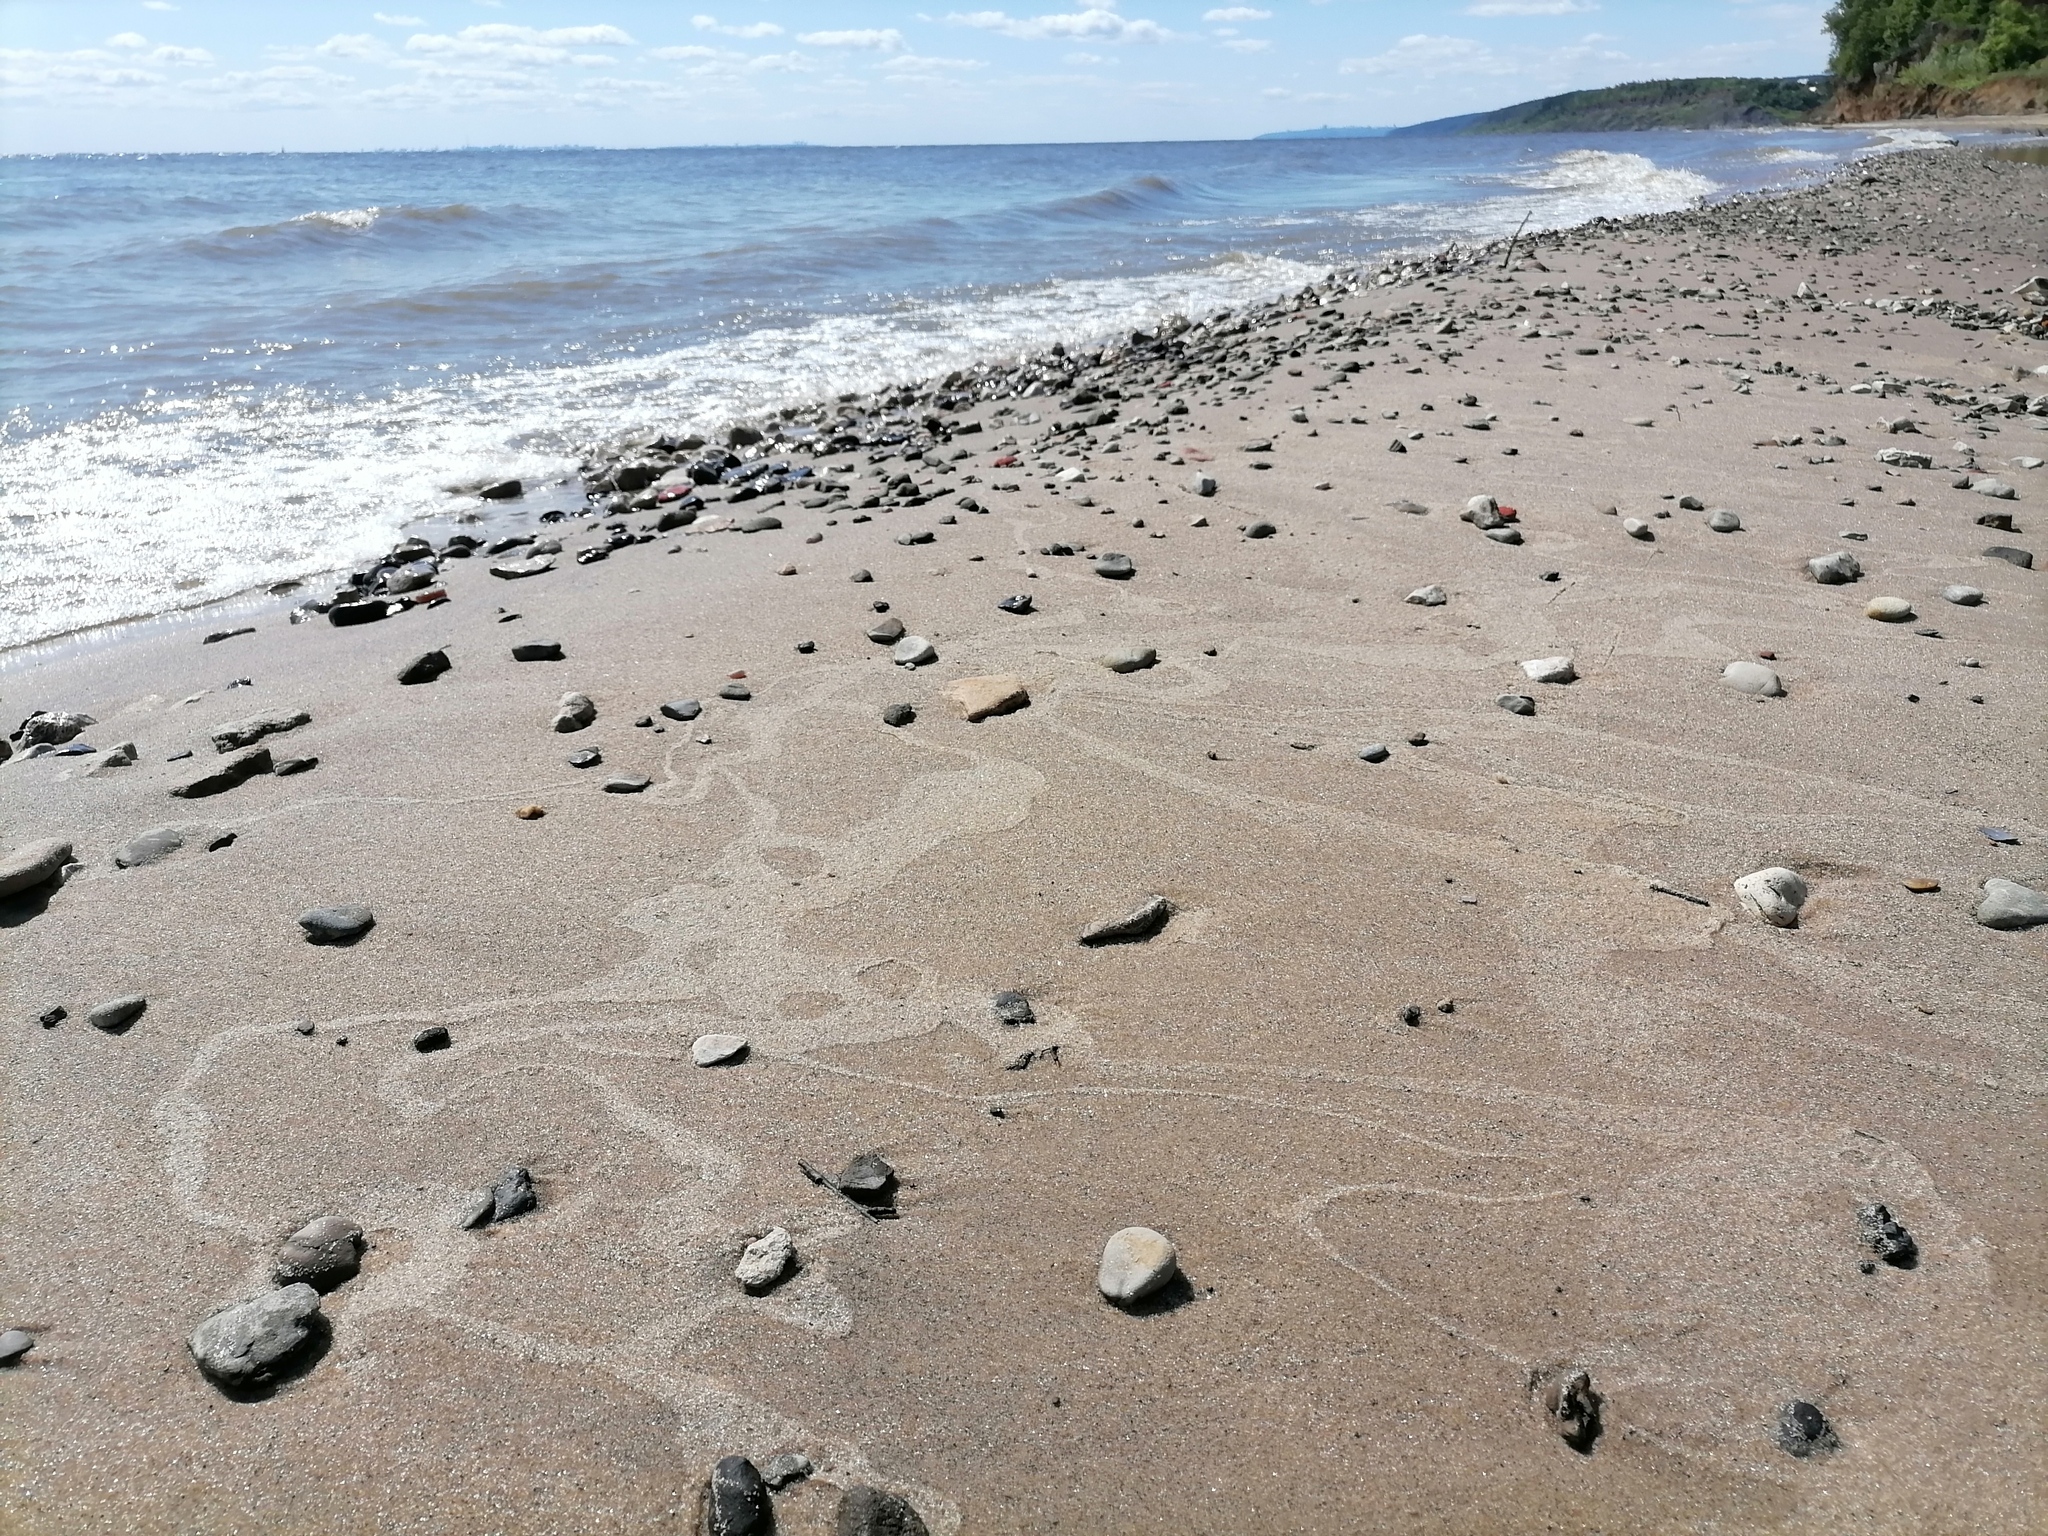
(1636, 1145)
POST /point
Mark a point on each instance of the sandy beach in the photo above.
(1456, 1068)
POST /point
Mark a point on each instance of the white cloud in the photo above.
(1429, 56)
(353, 45)
(914, 64)
(397, 21)
(1530, 7)
(127, 40)
(689, 51)
(882, 39)
(1092, 25)
(1237, 13)
(751, 29)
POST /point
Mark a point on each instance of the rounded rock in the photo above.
(865, 1511)
(1721, 520)
(718, 1050)
(15, 1343)
(1962, 596)
(336, 925)
(1428, 597)
(1517, 703)
(1888, 610)
(324, 1253)
(1136, 1263)
(1753, 678)
(736, 1501)
(117, 1013)
(1776, 895)
(252, 1342)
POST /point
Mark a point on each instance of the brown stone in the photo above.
(979, 697)
(1922, 884)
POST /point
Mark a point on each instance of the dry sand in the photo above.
(1637, 1145)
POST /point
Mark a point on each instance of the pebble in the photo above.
(324, 1253)
(1134, 658)
(1774, 894)
(1962, 596)
(765, 1261)
(736, 1501)
(513, 1195)
(574, 712)
(1550, 669)
(122, 756)
(50, 1018)
(806, 647)
(1136, 1262)
(888, 632)
(627, 784)
(1260, 530)
(1019, 604)
(1804, 1430)
(1995, 488)
(424, 668)
(1115, 567)
(1888, 610)
(2008, 904)
(738, 693)
(977, 698)
(1378, 752)
(1721, 520)
(913, 651)
(1573, 1408)
(718, 1050)
(1141, 922)
(531, 812)
(226, 774)
(1636, 528)
(252, 1342)
(585, 757)
(1517, 703)
(1834, 570)
(30, 865)
(899, 714)
(538, 650)
(762, 523)
(1203, 485)
(1505, 535)
(246, 733)
(1014, 1009)
(789, 1467)
(1884, 1237)
(1428, 597)
(1753, 678)
(860, 576)
(336, 925)
(682, 709)
(869, 1180)
(865, 1511)
(15, 1343)
(285, 767)
(117, 1013)
(434, 1037)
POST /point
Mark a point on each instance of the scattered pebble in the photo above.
(252, 1343)
(682, 709)
(1134, 658)
(2009, 905)
(1884, 1237)
(150, 848)
(1573, 1408)
(434, 1037)
(1550, 669)
(574, 712)
(1775, 895)
(324, 1253)
(736, 1501)
(1428, 597)
(865, 1511)
(977, 698)
(899, 714)
(718, 1050)
(627, 784)
(336, 925)
(1721, 520)
(738, 693)
(1636, 528)
(226, 774)
(117, 1013)
(15, 1343)
(424, 668)
(1834, 570)
(1140, 922)
(1753, 678)
(586, 757)
(1020, 604)
(538, 650)
(513, 1195)
(765, 1261)
(1136, 1263)
(1378, 752)
(1517, 703)
(1963, 596)
(789, 1467)
(1014, 1009)
(1888, 610)
(1115, 567)
(913, 651)
(1803, 1430)
(530, 812)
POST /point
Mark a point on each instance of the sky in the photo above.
(112, 76)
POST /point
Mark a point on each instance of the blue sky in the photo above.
(115, 75)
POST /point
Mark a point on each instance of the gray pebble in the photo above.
(1014, 1009)
(15, 1343)
(1376, 753)
(865, 1511)
(1115, 567)
(336, 925)
(32, 864)
(1803, 1430)
(1963, 596)
(149, 848)
(324, 1253)
(1884, 1237)
(738, 693)
(116, 1014)
(513, 1195)
(1140, 922)
(682, 709)
(789, 1467)
(538, 650)
(574, 712)
(1134, 658)
(424, 668)
(1517, 703)
(253, 1342)
(899, 714)
(1724, 521)
(627, 784)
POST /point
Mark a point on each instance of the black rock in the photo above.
(805, 647)
(899, 714)
(1014, 1009)
(627, 784)
(867, 1511)
(736, 1501)
(324, 1253)
(433, 1038)
(672, 518)
(593, 555)
(1056, 549)
(225, 840)
(869, 1180)
(682, 709)
(538, 650)
(1260, 530)
(504, 490)
(341, 615)
(2022, 558)
(1021, 603)
(2002, 521)
(513, 1195)
(117, 1013)
(1803, 1430)
(424, 668)
(916, 536)
(1884, 1237)
(50, 1018)
(860, 576)
(588, 757)
(1517, 703)
(738, 692)
(1412, 1015)
(336, 925)
(1574, 1409)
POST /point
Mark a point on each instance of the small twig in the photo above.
(826, 1181)
(1510, 255)
(1665, 890)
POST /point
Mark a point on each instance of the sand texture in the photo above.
(1635, 1145)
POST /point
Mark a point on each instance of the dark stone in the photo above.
(1014, 1009)
(504, 490)
(1884, 1237)
(1803, 1430)
(2002, 521)
(806, 647)
(860, 576)
(336, 925)
(2022, 558)
(1412, 1015)
(917, 536)
(324, 1253)
(1260, 530)
(682, 709)
(369, 611)
(899, 714)
(424, 668)
(1056, 549)
(1574, 1410)
(1021, 603)
(736, 1501)
(739, 693)
(33, 865)
(538, 650)
(253, 1343)
(869, 1180)
(50, 1018)
(249, 629)
(513, 1195)
(588, 757)
(592, 556)
(286, 767)
(675, 517)
(433, 1038)
(627, 784)
(226, 774)
(1517, 703)
(888, 632)
(50, 727)
(225, 840)
(1115, 567)
(149, 848)
(116, 1014)
(867, 1511)
(1139, 923)
(761, 524)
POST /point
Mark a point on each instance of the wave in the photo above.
(1618, 184)
(324, 222)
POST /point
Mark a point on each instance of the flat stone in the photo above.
(737, 693)
(1141, 922)
(860, 576)
(1135, 658)
(252, 1342)
(865, 1511)
(434, 1037)
(1505, 535)
(1260, 530)
(1019, 604)
(736, 1501)
(1962, 596)
(1888, 610)
(1115, 567)
(1721, 520)
(424, 668)
(1753, 678)
(765, 1261)
(2023, 558)
(899, 714)
(1378, 752)
(285, 767)
(336, 925)
(513, 1195)
(574, 712)
(15, 1343)
(30, 865)
(1136, 1262)
(52, 727)
(886, 632)
(1834, 570)
(2008, 904)
(226, 774)
(475, 1211)
(790, 1467)
(1803, 1430)
(1775, 895)
(587, 757)
(1990, 486)
(761, 523)
(718, 1050)
(1550, 669)
(682, 709)
(1884, 1237)
(868, 1179)
(324, 1253)
(1014, 1009)
(1517, 703)
(913, 651)
(627, 784)
(237, 734)
(977, 698)
(538, 650)
(117, 1013)
(1428, 597)
(916, 536)
(122, 756)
